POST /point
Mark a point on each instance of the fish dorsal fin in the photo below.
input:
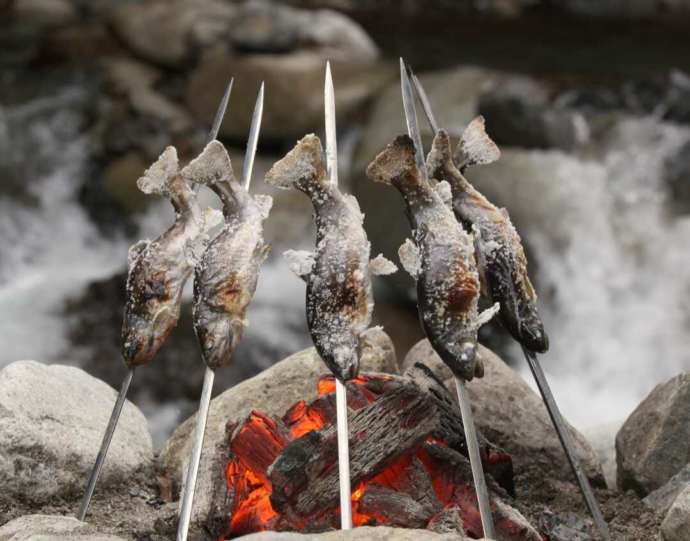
(409, 258)
(264, 204)
(475, 147)
(156, 178)
(380, 266)
(213, 165)
(301, 262)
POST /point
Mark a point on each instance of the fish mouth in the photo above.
(533, 336)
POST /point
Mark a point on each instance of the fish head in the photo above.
(142, 337)
(218, 338)
(532, 334)
(346, 362)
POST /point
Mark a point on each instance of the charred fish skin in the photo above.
(159, 269)
(499, 248)
(339, 292)
(441, 259)
(225, 280)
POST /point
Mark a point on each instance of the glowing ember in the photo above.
(417, 488)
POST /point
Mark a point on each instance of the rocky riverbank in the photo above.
(52, 418)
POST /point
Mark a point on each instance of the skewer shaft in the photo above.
(343, 456)
(475, 460)
(567, 443)
(193, 466)
(107, 437)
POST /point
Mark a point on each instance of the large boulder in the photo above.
(652, 446)
(293, 104)
(272, 392)
(52, 419)
(676, 525)
(50, 528)
(511, 415)
(662, 498)
(162, 32)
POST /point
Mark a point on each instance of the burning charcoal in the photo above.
(393, 508)
(449, 520)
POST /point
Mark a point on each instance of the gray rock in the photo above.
(294, 86)
(662, 498)
(270, 27)
(135, 81)
(52, 420)
(45, 13)
(519, 112)
(50, 528)
(162, 32)
(365, 533)
(273, 391)
(676, 525)
(510, 414)
(652, 446)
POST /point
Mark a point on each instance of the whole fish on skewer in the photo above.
(338, 273)
(441, 260)
(504, 269)
(500, 253)
(159, 269)
(225, 279)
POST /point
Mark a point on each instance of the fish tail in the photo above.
(440, 156)
(302, 168)
(475, 147)
(157, 178)
(210, 167)
(395, 162)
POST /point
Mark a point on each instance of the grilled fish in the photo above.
(339, 293)
(500, 253)
(440, 258)
(159, 269)
(225, 279)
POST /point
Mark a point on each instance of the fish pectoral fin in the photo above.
(380, 266)
(212, 218)
(486, 315)
(443, 190)
(156, 178)
(475, 147)
(135, 250)
(213, 165)
(301, 262)
(354, 204)
(409, 257)
(265, 203)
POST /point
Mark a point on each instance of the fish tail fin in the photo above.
(394, 162)
(302, 168)
(156, 179)
(210, 167)
(440, 156)
(475, 147)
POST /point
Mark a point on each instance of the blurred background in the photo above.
(588, 99)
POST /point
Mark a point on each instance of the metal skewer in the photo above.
(209, 374)
(119, 403)
(340, 389)
(542, 383)
(465, 409)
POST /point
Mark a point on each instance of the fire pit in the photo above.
(408, 464)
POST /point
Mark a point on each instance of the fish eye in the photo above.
(468, 351)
